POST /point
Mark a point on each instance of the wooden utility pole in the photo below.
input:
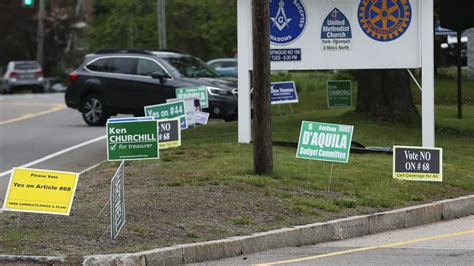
(161, 20)
(40, 34)
(262, 112)
(459, 78)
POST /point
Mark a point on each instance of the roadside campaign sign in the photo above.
(418, 163)
(190, 106)
(167, 111)
(132, 140)
(117, 201)
(339, 93)
(324, 142)
(201, 117)
(194, 92)
(284, 92)
(170, 134)
(40, 191)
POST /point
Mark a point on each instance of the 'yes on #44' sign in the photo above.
(324, 142)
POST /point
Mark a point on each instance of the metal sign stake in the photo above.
(330, 177)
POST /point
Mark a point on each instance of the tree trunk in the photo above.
(386, 94)
(262, 128)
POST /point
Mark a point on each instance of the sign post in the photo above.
(342, 34)
(117, 201)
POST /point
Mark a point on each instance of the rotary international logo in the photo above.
(384, 20)
(288, 20)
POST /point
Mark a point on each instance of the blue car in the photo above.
(226, 67)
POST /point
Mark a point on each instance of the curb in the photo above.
(295, 236)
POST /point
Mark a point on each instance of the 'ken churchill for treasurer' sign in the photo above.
(325, 142)
(132, 140)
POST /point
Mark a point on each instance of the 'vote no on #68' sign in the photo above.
(324, 142)
(418, 163)
(132, 140)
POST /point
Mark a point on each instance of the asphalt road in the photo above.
(443, 243)
(38, 131)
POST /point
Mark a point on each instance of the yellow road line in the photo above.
(27, 104)
(389, 245)
(55, 108)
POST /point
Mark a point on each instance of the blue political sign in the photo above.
(287, 21)
(284, 92)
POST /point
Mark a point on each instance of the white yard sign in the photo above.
(342, 34)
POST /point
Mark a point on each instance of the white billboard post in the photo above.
(342, 34)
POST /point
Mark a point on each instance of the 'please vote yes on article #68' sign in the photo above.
(324, 142)
(41, 191)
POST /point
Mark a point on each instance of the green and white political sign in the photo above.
(324, 142)
(117, 201)
(194, 92)
(132, 140)
(339, 93)
(168, 111)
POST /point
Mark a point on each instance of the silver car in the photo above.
(23, 75)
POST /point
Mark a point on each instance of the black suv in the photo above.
(112, 81)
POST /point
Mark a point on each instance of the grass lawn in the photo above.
(205, 189)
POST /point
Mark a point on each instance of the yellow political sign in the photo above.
(40, 191)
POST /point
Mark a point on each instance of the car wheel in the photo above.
(94, 111)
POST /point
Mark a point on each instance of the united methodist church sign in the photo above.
(342, 34)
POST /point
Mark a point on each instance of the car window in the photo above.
(98, 65)
(146, 67)
(228, 64)
(26, 65)
(122, 65)
(216, 65)
(190, 67)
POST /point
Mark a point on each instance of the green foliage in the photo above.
(204, 28)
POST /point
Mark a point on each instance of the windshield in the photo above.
(190, 67)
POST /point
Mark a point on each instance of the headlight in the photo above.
(217, 91)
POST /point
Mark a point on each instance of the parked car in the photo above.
(23, 75)
(110, 82)
(226, 67)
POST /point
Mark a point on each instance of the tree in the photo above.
(204, 28)
(386, 94)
